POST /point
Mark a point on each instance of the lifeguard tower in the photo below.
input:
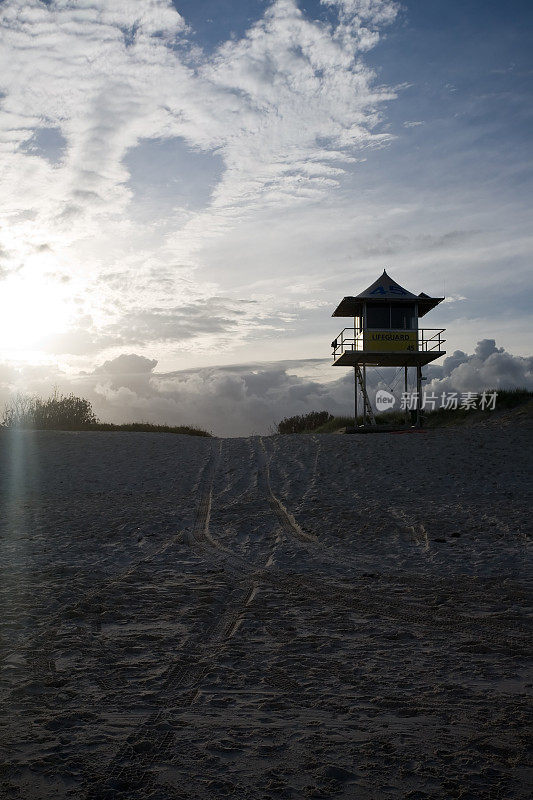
(386, 334)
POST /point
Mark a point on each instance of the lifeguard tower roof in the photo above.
(384, 288)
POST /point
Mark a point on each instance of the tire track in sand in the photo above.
(287, 520)
(132, 766)
(200, 530)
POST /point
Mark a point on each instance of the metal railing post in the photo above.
(418, 393)
(355, 396)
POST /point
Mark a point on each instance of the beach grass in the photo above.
(507, 400)
(148, 427)
(70, 413)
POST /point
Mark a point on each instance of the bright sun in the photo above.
(31, 309)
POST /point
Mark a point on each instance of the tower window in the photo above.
(403, 317)
(378, 317)
(393, 316)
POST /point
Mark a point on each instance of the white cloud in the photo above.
(278, 104)
(287, 107)
(373, 12)
(489, 367)
(304, 100)
(229, 321)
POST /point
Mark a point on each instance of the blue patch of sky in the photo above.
(129, 34)
(48, 143)
(467, 67)
(214, 22)
(503, 303)
(454, 60)
(167, 174)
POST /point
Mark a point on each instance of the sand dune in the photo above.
(299, 617)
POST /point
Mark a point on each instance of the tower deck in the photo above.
(354, 347)
(353, 358)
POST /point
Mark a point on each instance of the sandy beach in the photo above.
(297, 617)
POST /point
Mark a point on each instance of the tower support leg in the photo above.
(364, 394)
(407, 411)
(418, 394)
(368, 413)
(355, 396)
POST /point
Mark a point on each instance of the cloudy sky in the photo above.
(189, 188)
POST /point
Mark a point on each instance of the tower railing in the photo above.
(350, 339)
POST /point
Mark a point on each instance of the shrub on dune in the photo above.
(70, 413)
(58, 412)
(304, 422)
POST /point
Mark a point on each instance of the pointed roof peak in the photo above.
(386, 288)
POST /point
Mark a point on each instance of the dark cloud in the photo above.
(128, 364)
(214, 316)
(242, 399)
(178, 323)
(128, 371)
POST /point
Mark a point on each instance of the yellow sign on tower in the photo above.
(389, 341)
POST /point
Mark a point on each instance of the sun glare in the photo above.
(31, 310)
